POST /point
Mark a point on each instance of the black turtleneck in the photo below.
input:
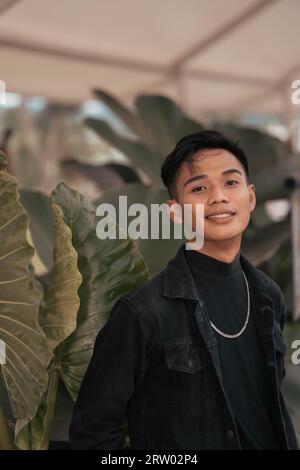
(223, 289)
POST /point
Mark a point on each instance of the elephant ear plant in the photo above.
(27, 352)
(49, 336)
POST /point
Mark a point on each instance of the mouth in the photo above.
(221, 218)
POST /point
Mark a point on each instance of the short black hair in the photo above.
(192, 143)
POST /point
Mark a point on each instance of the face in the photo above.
(217, 179)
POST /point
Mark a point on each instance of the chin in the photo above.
(223, 235)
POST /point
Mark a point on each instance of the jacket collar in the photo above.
(179, 282)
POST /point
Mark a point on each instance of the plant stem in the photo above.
(6, 435)
(51, 401)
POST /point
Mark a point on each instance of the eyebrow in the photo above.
(201, 177)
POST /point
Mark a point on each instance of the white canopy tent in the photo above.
(208, 55)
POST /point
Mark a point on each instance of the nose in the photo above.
(217, 195)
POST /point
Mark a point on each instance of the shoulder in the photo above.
(264, 282)
(146, 291)
(268, 287)
(273, 289)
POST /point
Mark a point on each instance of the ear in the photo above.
(175, 211)
(252, 196)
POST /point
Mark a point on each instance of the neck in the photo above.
(225, 250)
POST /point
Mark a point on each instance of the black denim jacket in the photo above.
(156, 364)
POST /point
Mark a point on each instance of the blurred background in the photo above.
(96, 93)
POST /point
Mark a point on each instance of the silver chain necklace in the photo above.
(247, 318)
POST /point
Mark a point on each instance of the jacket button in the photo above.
(229, 434)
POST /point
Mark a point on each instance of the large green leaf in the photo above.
(158, 252)
(27, 353)
(164, 122)
(139, 154)
(59, 314)
(29, 435)
(6, 435)
(109, 268)
(41, 225)
(270, 182)
(156, 120)
(128, 118)
(266, 241)
(58, 318)
(262, 149)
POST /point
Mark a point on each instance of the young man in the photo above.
(194, 359)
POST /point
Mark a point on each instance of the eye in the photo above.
(197, 189)
(232, 181)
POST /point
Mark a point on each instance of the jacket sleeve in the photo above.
(282, 323)
(121, 355)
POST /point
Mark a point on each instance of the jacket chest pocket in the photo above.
(185, 356)
(191, 381)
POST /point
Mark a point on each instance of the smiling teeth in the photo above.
(219, 216)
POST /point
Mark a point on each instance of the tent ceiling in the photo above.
(209, 55)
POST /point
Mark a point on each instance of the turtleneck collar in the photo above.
(208, 266)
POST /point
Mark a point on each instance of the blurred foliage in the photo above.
(50, 335)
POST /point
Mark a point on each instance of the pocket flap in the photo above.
(187, 358)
